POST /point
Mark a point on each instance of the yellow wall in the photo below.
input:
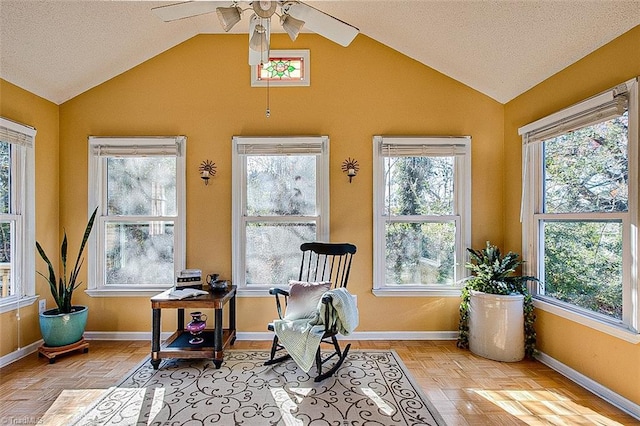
(201, 89)
(24, 107)
(607, 360)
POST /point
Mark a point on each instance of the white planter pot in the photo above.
(496, 326)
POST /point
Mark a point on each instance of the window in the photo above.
(137, 246)
(280, 200)
(422, 214)
(284, 68)
(580, 209)
(17, 219)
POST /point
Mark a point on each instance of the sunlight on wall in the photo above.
(534, 407)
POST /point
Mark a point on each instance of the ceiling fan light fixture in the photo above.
(259, 39)
(293, 15)
(259, 34)
(264, 9)
(228, 16)
(292, 26)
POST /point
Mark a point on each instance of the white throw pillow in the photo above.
(304, 298)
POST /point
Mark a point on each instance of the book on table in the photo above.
(190, 273)
(189, 278)
(184, 293)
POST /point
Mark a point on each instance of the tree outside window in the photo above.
(280, 199)
(422, 214)
(580, 210)
(6, 226)
(17, 215)
(139, 185)
(586, 173)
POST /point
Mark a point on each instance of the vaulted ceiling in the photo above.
(58, 49)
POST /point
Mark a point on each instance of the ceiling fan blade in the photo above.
(323, 24)
(173, 12)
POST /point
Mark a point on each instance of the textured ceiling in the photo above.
(58, 49)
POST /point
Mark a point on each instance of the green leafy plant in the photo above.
(494, 273)
(62, 288)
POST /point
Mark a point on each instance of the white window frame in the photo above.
(275, 145)
(22, 140)
(458, 146)
(145, 146)
(532, 209)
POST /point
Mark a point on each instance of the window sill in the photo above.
(147, 292)
(619, 332)
(412, 291)
(12, 304)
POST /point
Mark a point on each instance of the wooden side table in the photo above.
(177, 345)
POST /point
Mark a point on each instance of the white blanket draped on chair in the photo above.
(302, 337)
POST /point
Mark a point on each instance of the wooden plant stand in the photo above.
(51, 352)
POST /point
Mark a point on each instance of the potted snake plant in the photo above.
(65, 324)
(496, 311)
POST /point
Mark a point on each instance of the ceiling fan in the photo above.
(294, 15)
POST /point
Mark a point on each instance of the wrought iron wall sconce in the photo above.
(350, 167)
(207, 170)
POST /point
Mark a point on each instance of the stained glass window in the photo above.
(282, 69)
(285, 68)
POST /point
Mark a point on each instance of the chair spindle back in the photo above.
(326, 262)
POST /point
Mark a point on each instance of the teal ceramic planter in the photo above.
(63, 329)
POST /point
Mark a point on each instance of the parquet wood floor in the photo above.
(466, 390)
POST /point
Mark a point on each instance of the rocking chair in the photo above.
(321, 263)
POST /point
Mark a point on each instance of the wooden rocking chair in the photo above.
(321, 262)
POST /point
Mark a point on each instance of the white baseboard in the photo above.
(367, 335)
(603, 392)
(403, 335)
(267, 335)
(123, 335)
(20, 353)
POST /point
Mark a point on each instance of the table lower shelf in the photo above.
(178, 346)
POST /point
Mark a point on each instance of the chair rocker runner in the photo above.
(321, 263)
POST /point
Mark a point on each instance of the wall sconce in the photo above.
(207, 170)
(350, 167)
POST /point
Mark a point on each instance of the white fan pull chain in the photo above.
(268, 112)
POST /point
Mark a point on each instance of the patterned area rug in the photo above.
(371, 388)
